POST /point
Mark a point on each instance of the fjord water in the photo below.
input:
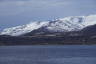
(67, 54)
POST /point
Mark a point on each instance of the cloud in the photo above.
(33, 3)
(11, 7)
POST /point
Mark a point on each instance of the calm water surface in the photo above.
(73, 54)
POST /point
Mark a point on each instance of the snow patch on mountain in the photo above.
(90, 20)
(19, 30)
(66, 24)
(73, 23)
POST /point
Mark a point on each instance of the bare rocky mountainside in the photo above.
(68, 30)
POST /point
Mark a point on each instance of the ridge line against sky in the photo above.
(18, 12)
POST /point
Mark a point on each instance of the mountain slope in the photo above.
(67, 24)
(89, 31)
(19, 30)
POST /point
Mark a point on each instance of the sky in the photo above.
(19, 12)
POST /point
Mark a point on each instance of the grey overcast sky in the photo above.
(18, 12)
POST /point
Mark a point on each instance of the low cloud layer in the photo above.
(12, 7)
(18, 6)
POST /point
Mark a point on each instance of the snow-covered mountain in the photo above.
(18, 30)
(73, 23)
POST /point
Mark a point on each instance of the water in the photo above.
(74, 54)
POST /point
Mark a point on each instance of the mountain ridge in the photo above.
(67, 24)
